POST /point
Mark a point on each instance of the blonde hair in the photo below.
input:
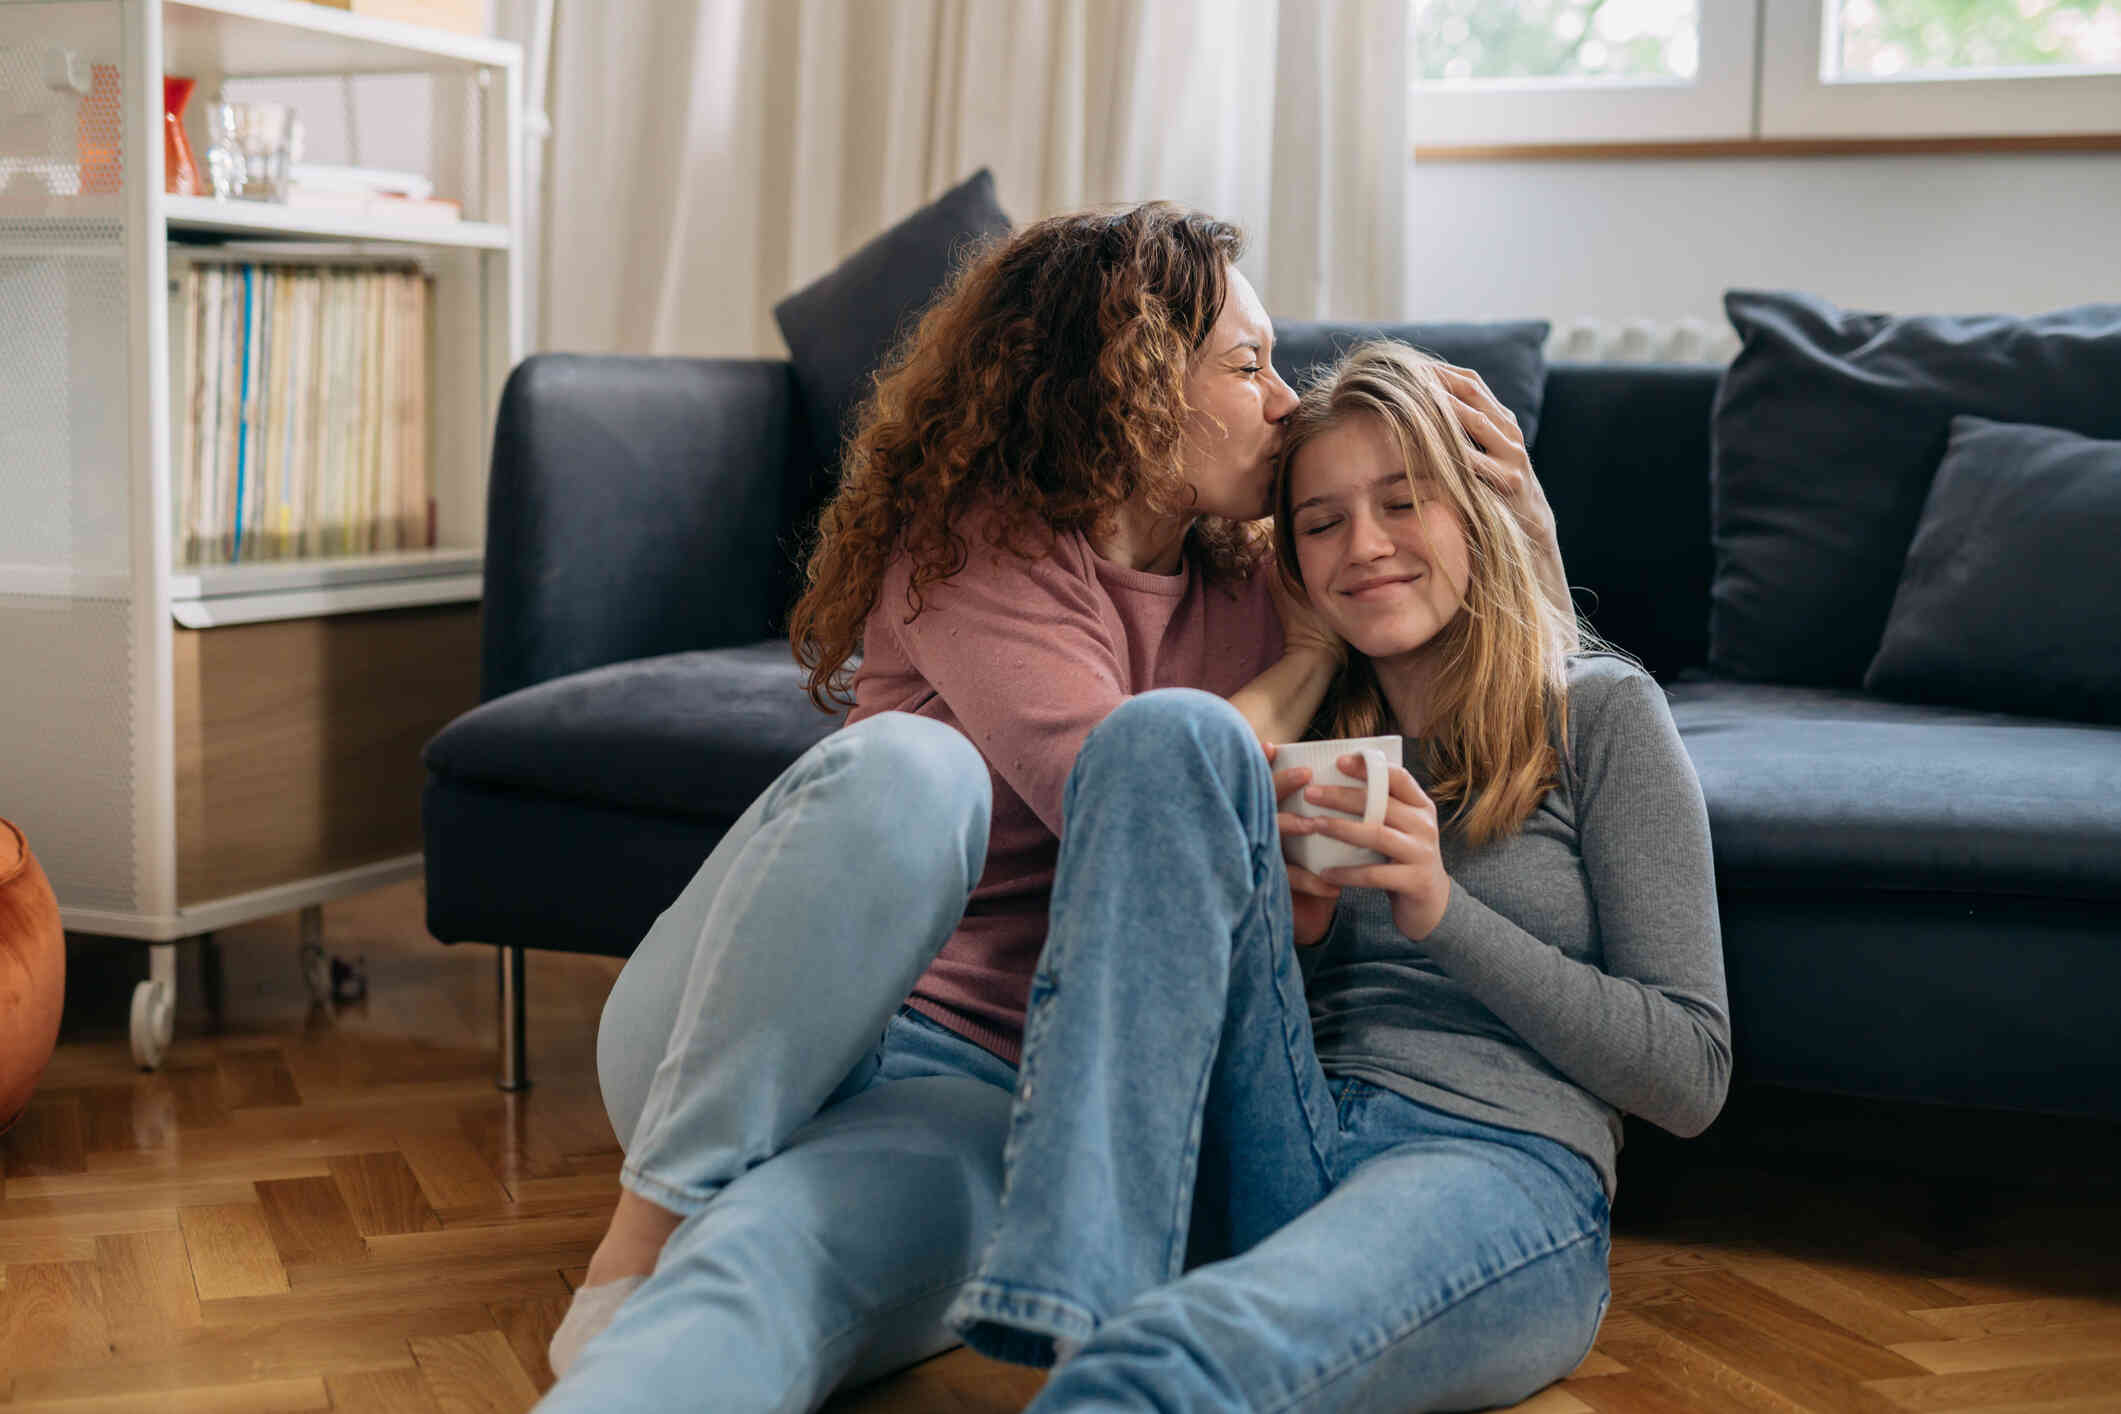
(1499, 697)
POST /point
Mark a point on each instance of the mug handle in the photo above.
(1378, 783)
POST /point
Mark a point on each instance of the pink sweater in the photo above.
(1024, 658)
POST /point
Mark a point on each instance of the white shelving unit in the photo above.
(258, 219)
(91, 603)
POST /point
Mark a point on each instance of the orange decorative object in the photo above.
(32, 973)
(180, 173)
(99, 133)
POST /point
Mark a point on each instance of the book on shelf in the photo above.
(367, 194)
(301, 391)
(462, 16)
(373, 206)
(359, 181)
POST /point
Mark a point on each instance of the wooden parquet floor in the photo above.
(308, 1211)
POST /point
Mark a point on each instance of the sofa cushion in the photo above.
(699, 733)
(1818, 788)
(1623, 453)
(1828, 428)
(1509, 356)
(2011, 598)
(529, 870)
(840, 325)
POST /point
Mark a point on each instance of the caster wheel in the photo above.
(154, 1017)
(349, 981)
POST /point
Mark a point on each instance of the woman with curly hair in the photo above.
(1372, 1170)
(1048, 506)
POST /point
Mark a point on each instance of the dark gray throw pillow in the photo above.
(1827, 429)
(840, 325)
(1509, 356)
(2011, 599)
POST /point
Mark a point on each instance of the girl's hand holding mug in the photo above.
(1311, 899)
(1407, 837)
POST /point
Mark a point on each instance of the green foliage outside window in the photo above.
(1481, 39)
(1643, 40)
(1884, 37)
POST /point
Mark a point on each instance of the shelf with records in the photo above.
(170, 684)
(300, 403)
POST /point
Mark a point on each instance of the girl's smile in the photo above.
(1378, 589)
(1387, 569)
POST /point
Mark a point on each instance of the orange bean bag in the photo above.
(32, 973)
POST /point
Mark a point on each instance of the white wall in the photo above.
(2009, 232)
(2006, 233)
(389, 118)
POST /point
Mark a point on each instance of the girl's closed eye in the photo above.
(1319, 527)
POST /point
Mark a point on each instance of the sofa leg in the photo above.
(515, 1073)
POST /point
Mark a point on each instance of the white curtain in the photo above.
(709, 156)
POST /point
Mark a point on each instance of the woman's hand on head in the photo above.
(1311, 899)
(1408, 838)
(1502, 461)
(1501, 456)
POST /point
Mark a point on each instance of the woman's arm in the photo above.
(1281, 701)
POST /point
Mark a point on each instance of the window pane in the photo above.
(1883, 39)
(1466, 41)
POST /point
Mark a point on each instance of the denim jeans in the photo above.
(835, 1186)
(1195, 1215)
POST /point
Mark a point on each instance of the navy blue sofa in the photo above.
(1918, 903)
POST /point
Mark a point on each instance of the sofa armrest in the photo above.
(637, 506)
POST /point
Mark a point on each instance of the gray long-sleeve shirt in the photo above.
(1578, 970)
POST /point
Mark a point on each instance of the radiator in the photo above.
(1588, 339)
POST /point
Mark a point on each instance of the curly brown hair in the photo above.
(1048, 382)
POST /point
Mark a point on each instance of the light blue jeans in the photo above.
(1348, 1248)
(838, 1162)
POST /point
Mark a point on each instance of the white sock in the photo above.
(587, 1315)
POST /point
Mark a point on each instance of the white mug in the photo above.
(1379, 754)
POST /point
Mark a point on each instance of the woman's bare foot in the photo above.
(634, 1240)
(623, 1260)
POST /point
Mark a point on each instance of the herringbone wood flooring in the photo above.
(309, 1212)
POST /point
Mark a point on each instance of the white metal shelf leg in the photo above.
(316, 967)
(155, 1007)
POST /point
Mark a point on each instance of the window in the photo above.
(1909, 39)
(1580, 70)
(1622, 71)
(1939, 68)
(1459, 43)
